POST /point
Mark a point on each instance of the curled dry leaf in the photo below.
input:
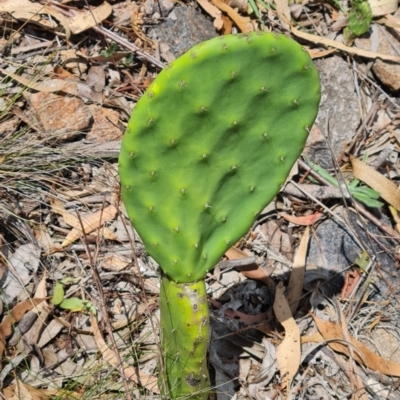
(288, 353)
(236, 18)
(213, 11)
(252, 271)
(387, 189)
(362, 354)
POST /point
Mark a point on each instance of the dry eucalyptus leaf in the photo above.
(213, 12)
(340, 46)
(298, 270)
(90, 223)
(87, 19)
(382, 7)
(362, 354)
(236, 18)
(283, 11)
(22, 265)
(288, 353)
(30, 12)
(55, 85)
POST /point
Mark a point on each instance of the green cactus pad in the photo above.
(211, 142)
(360, 18)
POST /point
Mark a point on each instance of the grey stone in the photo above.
(184, 28)
(387, 72)
(339, 102)
(333, 249)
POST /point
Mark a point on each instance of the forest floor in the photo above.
(79, 295)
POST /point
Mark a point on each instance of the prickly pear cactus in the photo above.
(360, 18)
(208, 146)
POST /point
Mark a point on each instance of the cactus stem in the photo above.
(185, 343)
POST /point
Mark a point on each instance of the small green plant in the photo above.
(363, 194)
(208, 146)
(359, 20)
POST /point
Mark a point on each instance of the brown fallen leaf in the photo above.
(252, 271)
(13, 317)
(370, 176)
(362, 354)
(25, 10)
(213, 12)
(84, 20)
(298, 270)
(236, 18)
(283, 11)
(55, 86)
(246, 318)
(142, 379)
(288, 353)
(303, 220)
(37, 394)
(90, 222)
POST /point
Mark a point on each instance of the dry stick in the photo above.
(111, 35)
(382, 226)
(103, 306)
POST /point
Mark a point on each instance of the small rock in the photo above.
(184, 28)
(163, 6)
(333, 249)
(386, 71)
(339, 102)
(60, 115)
(105, 125)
